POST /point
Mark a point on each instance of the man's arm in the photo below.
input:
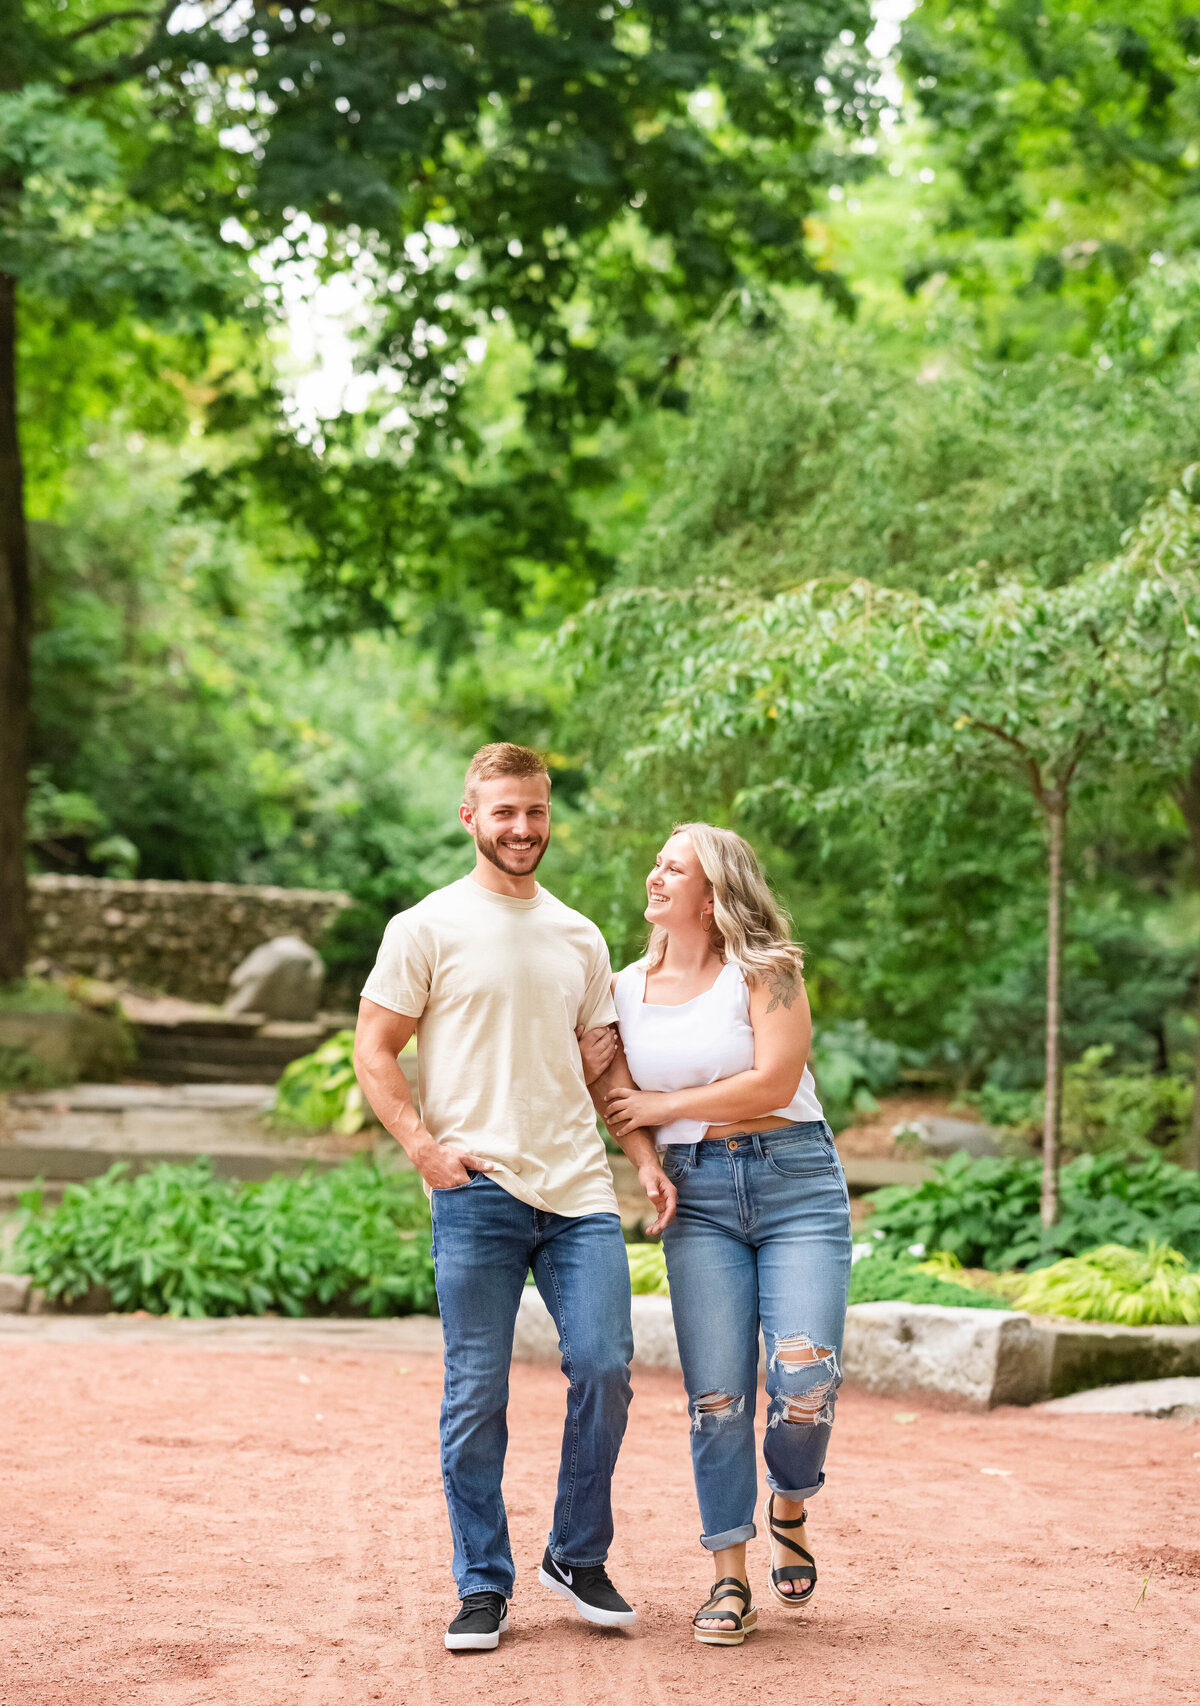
(379, 1037)
(638, 1144)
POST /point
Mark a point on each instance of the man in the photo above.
(499, 979)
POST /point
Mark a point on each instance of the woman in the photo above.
(715, 1025)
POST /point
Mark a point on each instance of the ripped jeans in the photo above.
(762, 1236)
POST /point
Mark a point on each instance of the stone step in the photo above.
(864, 1176)
(74, 1164)
(215, 1047)
(79, 1133)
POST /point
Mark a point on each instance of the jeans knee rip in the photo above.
(717, 1408)
(816, 1368)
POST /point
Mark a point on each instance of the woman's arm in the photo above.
(782, 1026)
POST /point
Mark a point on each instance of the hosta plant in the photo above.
(177, 1241)
(319, 1092)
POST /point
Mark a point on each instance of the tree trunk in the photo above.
(1056, 810)
(16, 626)
(1187, 798)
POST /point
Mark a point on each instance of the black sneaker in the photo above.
(482, 1619)
(589, 1590)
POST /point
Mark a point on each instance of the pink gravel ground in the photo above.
(206, 1527)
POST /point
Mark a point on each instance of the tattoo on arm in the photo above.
(784, 987)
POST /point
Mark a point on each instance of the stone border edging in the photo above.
(971, 1359)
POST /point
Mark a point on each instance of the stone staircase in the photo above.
(180, 1042)
(61, 1136)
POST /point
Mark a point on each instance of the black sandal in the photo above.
(743, 1621)
(789, 1572)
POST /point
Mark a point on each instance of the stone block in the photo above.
(14, 1294)
(971, 1359)
(70, 1045)
(536, 1339)
(281, 979)
(1085, 1354)
(1178, 1397)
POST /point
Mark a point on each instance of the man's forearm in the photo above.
(390, 1095)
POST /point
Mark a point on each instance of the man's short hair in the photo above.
(501, 758)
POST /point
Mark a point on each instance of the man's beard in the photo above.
(495, 854)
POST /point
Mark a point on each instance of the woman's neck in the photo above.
(688, 953)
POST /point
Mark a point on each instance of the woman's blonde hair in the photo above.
(749, 926)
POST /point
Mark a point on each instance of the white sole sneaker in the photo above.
(589, 1613)
(477, 1643)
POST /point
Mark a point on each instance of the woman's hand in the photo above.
(626, 1110)
(597, 1046)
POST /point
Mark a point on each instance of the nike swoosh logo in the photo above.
(566, 1575)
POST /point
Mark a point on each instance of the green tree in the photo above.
(74, 233)
(1156, 582)
(1069, 133)
(830, 697)
(597, 176)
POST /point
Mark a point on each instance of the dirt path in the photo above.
(192, 1527)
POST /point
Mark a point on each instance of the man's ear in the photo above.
(467, 818)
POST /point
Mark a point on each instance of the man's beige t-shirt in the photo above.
(497, 987)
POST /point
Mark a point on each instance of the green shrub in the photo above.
(177, 1241)
(1134, 1112)
(851, 1068)
(35, 995)
(319, 1092)
(1139, 1288)
(893, 1279)
(647, 1270)
(873, 1280)
(987, 1212)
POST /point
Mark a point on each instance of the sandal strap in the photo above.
(725, 1588)
(795, 1572)
(792, 1546)
(784, 1521)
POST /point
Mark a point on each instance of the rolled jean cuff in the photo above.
(731, 1537)
(793, 1494)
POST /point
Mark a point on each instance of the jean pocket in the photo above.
(674, 1166)
(816, 1160)
(449, 1190)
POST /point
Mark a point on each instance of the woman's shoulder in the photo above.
(627, 982)
(774, 987)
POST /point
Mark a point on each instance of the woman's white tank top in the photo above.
(697, 1042)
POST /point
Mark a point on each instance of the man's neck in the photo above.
(490, 876)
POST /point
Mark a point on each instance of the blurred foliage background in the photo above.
(266, 643)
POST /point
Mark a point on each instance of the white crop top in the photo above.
(697, 1042)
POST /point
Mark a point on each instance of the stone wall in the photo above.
(181, 938)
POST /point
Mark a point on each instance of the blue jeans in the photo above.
(484, 1243)
(762, 1236)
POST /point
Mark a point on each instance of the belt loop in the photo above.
(758, 1148)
